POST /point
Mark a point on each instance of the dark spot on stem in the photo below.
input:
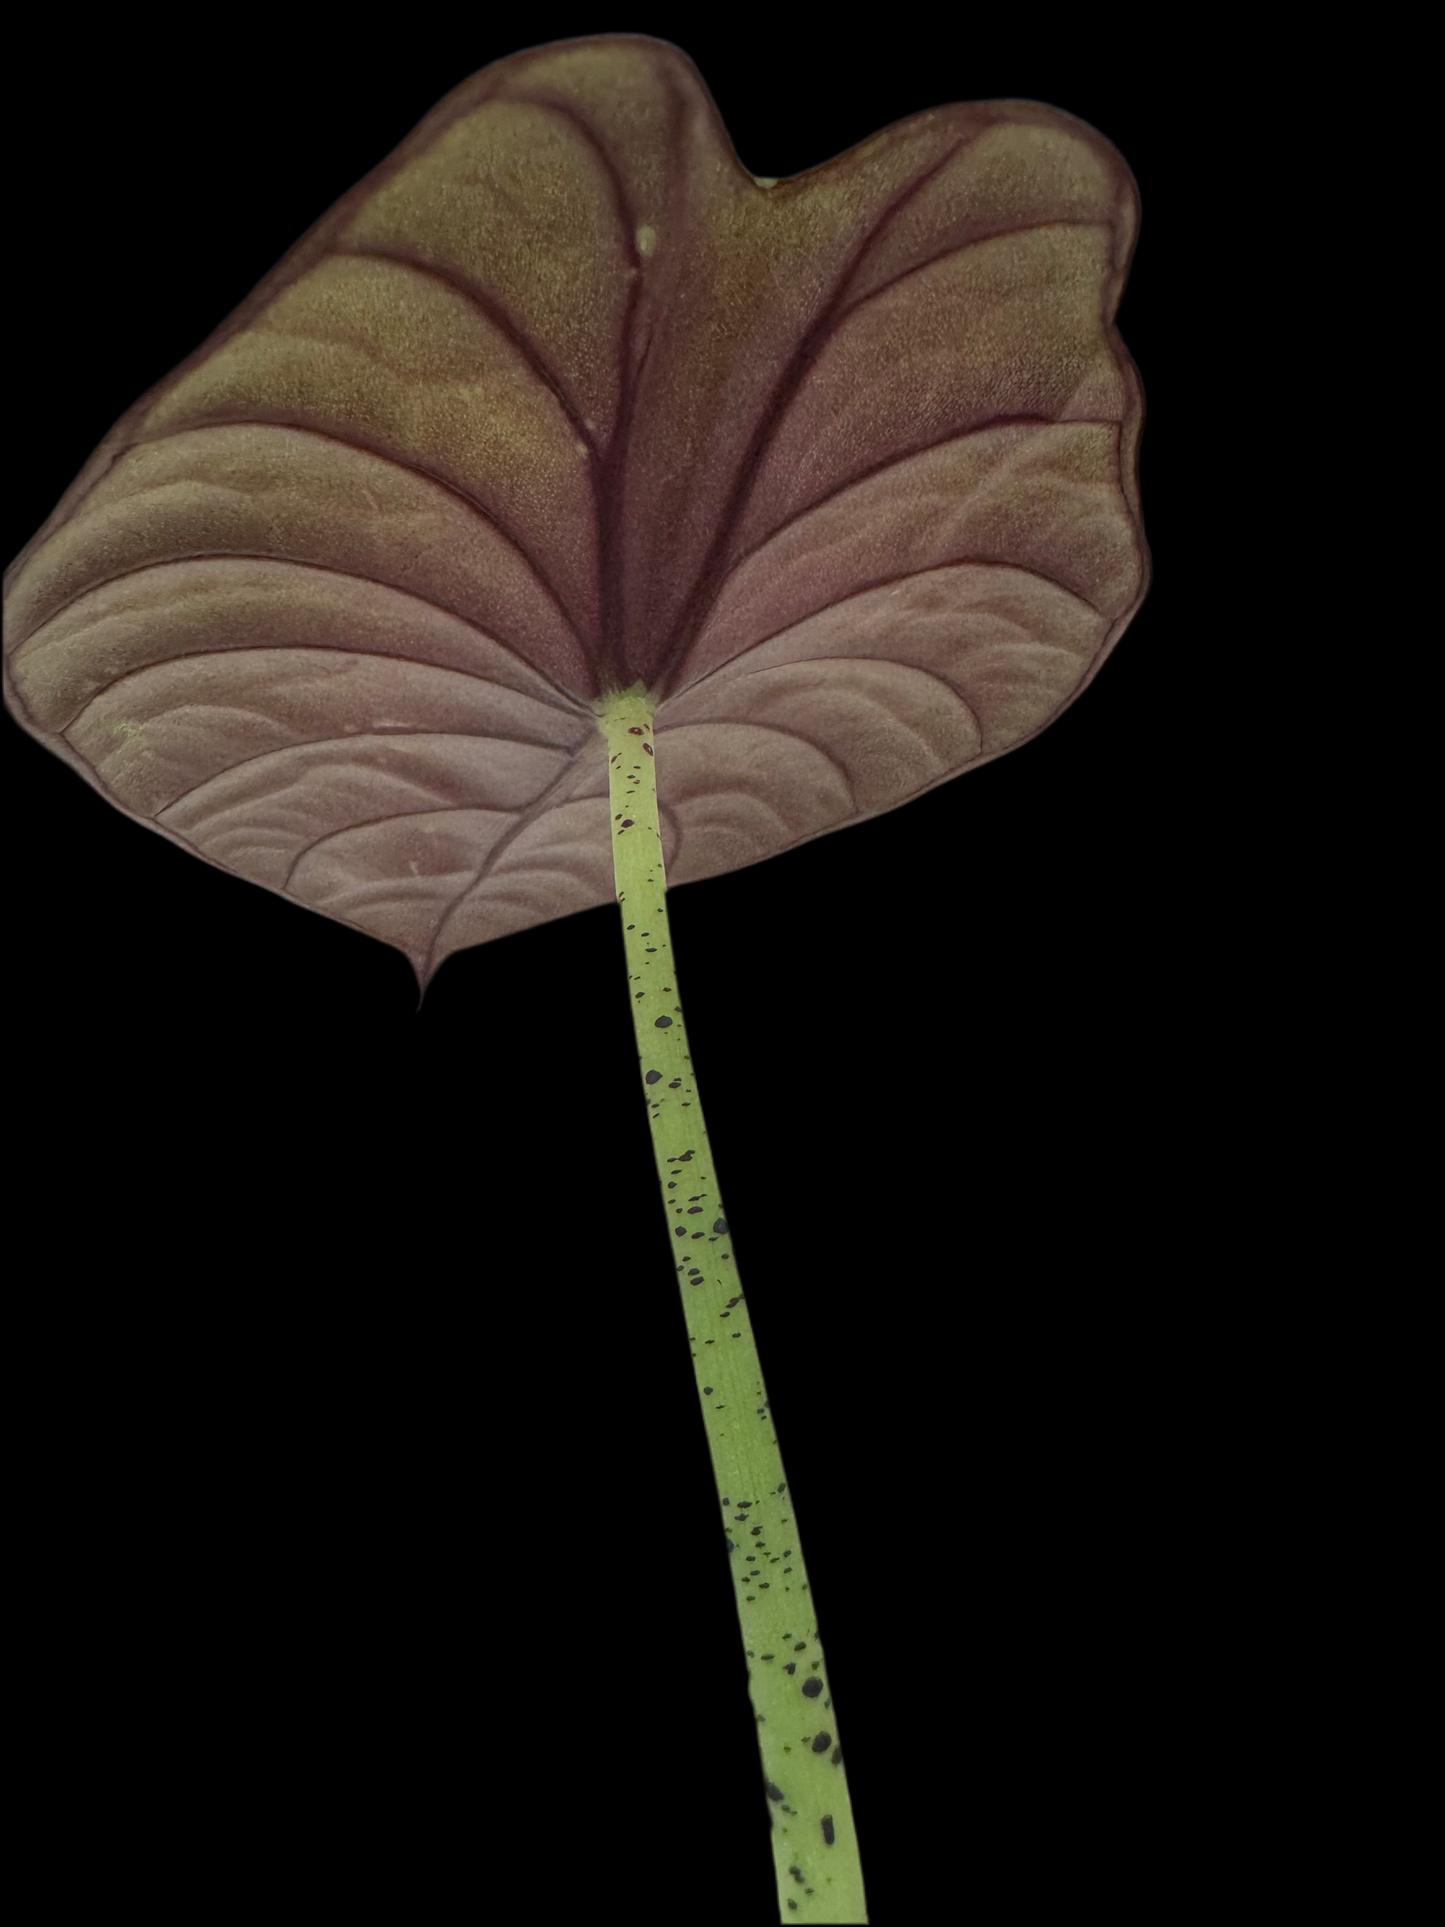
(827, 1825)
(774, 1793)
(653, 1077)
(822, 1742)
(663, 1023)
(812, 1688)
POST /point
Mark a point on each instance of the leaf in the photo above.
(560, 399)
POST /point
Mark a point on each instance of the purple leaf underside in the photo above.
(560, 399)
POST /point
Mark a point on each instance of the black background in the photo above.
(389, 1532)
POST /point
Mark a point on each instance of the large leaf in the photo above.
(561, 399)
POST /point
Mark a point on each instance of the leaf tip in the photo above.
(424, 974)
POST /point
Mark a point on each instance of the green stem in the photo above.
(820, 1876)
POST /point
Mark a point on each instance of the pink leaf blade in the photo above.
(557, 399)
